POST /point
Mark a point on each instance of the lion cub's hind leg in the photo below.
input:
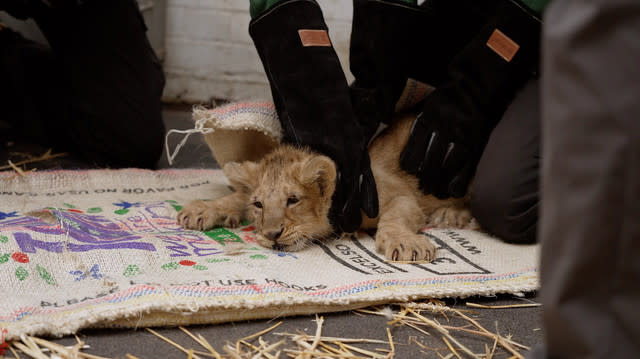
(397, 235)
(226, 211)
(455, 216)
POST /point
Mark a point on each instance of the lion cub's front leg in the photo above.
(226, 211)
(397, 235)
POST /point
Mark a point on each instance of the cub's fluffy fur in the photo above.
(288, 193)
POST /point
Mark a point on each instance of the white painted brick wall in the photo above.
(209, 53)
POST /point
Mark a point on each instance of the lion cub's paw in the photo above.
(203, 215)
(452, 217)
(406, 247)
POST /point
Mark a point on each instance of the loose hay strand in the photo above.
(31, 346)
(74, 352)
(391, 344)
(417, 328)
(453, 350)
(319, 321)
(363, 351)
(30, 352)
(334, 339)
(509, 306)
(262, 332)
(16, 168)
(502, 342)
(180, 347)
(495, 346)
(203, 342)
(257, 349)
(443, 331)
(13, 351)
(46, 156)
(434, 306)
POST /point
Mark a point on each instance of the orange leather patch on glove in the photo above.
(314, 38)
(502, 45)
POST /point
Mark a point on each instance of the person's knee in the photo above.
(508, 216)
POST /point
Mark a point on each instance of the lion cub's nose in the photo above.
(273, 235)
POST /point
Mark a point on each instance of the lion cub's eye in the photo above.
(292, 200)
(257, 204)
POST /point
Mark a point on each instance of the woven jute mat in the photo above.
(101, 248)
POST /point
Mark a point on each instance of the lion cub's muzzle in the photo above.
(274, 239)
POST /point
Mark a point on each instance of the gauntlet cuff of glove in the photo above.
(311, 96)
(308, 85)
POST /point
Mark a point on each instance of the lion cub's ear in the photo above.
(242, 175)
(320, 170)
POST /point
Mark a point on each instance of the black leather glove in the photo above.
(355, 188)
(393, 40)
(312, 99)
(446, 141)
(449, 135)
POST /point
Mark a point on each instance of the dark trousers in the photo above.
(590, 214)
(95, 91)
(505, 190)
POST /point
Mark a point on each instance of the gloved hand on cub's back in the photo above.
(456, 120)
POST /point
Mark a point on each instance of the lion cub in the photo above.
(288, 193)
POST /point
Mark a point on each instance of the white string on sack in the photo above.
(198, 128)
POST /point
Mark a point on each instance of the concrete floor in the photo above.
(522, 324)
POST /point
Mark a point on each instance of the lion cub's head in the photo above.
(289, 195)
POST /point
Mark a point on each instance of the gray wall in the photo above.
(210, 53)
